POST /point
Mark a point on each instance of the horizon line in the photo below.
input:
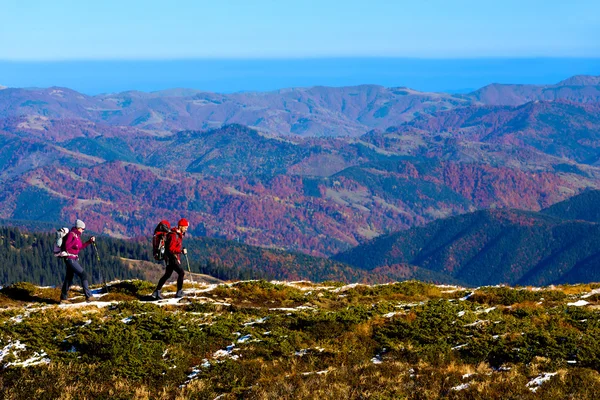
(300, 58)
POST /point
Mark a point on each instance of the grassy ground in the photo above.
(269, 340)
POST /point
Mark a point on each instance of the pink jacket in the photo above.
(73, 244)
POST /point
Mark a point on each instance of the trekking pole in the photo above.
(98, 259)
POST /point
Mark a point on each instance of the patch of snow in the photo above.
(571, 362)
(228, 352)
(459, 346)
(127, 320)
(299, 308)
(208, 288)
(98, 304)
(461, 313)
(391, 314)
(590, 294)
(36, 359)
(316, 373)
(478, 322)
(347, 287)
(258, 321)
(11, 346)
(300, 285)
(191, 377)
(17, 347)
(17, 319)
(244, 339)
(579, 303)
(467, 296)
(461, 387)
(535, 383)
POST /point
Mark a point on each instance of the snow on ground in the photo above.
(226, 353)
(478, 322)
(299, 308)
(461, 387)
(316, 372)
(16, 348)
(208, 288)
(244, 339)
(258, 321)
(17, 319)
(467, 296)
(391, 314)
(301, 285)
(36, 359)
(579, 303)
(535, 383)
(98, 304)
(347, 287)
(590, 294)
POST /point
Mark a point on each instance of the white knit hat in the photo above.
(79, 224)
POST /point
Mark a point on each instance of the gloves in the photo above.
(184, 250)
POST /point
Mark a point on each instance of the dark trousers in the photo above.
(73, 268)
(172, 265)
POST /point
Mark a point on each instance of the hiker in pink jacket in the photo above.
(72, 245)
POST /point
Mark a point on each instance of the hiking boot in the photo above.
(179, 293)
(90, 299)
(156, 295)
(65, 301)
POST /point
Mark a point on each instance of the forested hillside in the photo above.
(491, 247)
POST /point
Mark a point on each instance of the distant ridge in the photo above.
(490, 247)
(581, 80)
(304, 111)
(579, 88)
(581, 207)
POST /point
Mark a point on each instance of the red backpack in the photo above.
(159, 238)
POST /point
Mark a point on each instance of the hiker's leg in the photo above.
(180, 275)
(64, 294)
(165, 277)
(78, 270)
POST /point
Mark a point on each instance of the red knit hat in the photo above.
(183, 222)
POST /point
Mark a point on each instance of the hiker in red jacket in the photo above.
(72, 245)
(173, 250)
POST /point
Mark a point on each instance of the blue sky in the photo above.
(186, 29)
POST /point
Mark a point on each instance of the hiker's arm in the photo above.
(88, 242)
(174, 244)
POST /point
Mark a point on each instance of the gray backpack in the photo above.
(59, 249)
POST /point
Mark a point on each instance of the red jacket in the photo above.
(174, 243)
(73, 244)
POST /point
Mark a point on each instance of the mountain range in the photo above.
(316, 111)
(369, 161)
